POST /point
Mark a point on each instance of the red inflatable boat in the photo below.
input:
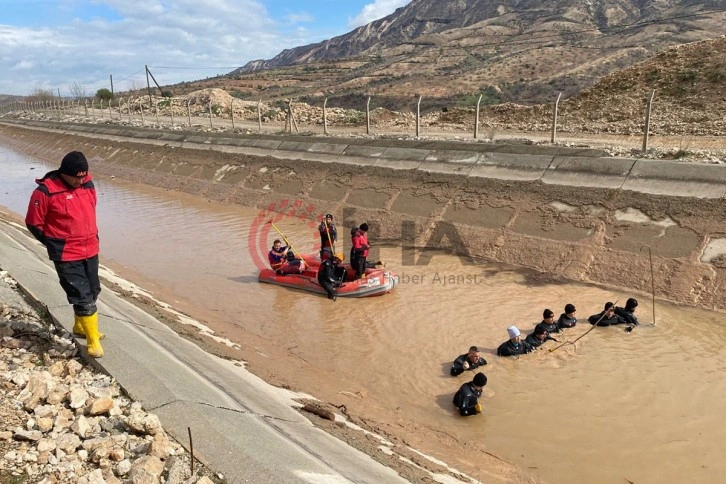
(378, 281)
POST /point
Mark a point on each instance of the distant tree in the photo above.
(38, 94)
(77, 90)
(104, 94)
(167, 93)
(136, 85)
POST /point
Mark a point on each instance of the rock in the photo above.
(123, 467)
(27, 435)
(46, 445)
(45, 424)
(160, 446)
(73, 367)
(68, 443)
(81, 427)
(77, 398)
(38, 387)
(100, 406)
(144, 423)
(146, 470)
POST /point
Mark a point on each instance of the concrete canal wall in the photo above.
(564, 211)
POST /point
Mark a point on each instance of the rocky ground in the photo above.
(63, 422)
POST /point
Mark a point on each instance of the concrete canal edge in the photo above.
(567, 211)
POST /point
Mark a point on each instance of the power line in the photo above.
(194, 68)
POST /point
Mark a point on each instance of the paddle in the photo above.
(294, 251)
(585, 333)
(327, 231)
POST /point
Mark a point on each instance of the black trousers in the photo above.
(79, 280)
(358, 262)
(329, 288)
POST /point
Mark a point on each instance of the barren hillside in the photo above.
(522, 51)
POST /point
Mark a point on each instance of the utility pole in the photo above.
(148, 86)
(111, 76)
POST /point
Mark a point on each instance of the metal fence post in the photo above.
(418, 116)
(646, 130)
(292, 117)
(554, 118)
(231, 111)
(210, 113)
(128, 107)
(189, 113)
(325, 116)
(259, 115)
(476, 118)
(141, 111)
(171, 111)
(368, 116)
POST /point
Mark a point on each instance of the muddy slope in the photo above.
(582, 234)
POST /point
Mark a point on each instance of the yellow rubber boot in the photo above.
(78, 329)
(90, 328)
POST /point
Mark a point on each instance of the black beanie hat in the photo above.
(364, 227)
(631, 303)
(74, 164)
(480, 379)
(547, 313)
(569, 308)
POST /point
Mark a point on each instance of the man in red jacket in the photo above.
(62, 216)
(359, 250)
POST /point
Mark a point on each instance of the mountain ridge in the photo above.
(525, 50)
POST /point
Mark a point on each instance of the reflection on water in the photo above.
(645, 406)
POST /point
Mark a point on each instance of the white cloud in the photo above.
(297, 18)
(23, 65)
(217, 35)
(376, 10)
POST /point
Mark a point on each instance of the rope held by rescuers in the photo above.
(585, 333)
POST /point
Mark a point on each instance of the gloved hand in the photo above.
(478, 408)
(466, 365)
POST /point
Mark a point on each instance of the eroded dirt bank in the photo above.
(582, 234)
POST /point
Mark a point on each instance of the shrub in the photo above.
(104, 94)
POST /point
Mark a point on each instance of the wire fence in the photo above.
(641, 126)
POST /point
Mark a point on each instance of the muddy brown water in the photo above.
(646, 406)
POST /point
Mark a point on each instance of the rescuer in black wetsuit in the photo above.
(467, 398)
(607, 317)
(537, 337)
(627, 312)
(330, 275)
(467, 361)
(567, 319)
(548, 322)
(513, 346)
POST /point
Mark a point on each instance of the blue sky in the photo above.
(53, 44)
